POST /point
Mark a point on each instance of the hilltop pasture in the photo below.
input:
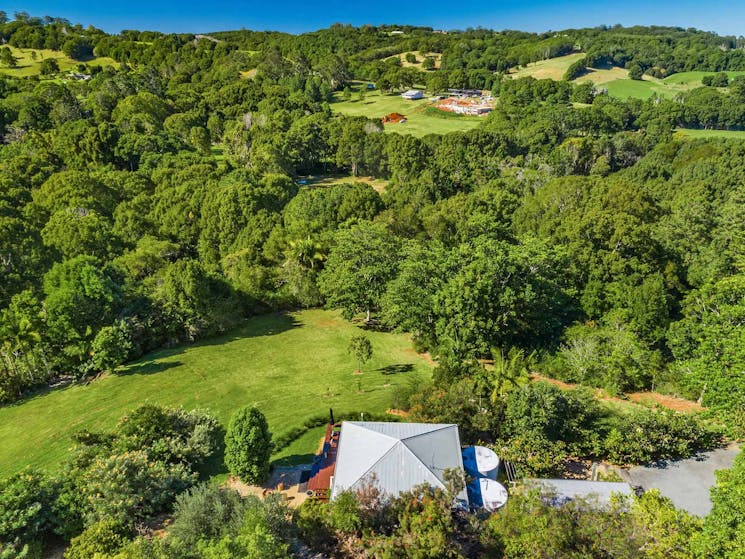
(27, 66)
(616, 79)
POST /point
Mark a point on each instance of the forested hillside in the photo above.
(572, 233)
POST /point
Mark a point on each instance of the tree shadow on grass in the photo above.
(148, 368)
(293, 460)
(254, 327)
(269, 324)
(396, 369)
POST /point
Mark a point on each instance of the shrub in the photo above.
(26, 499)
(261, 535)
(248, 445)
(533, 455)
(312, 521)
(105, 537)
(723, 534)
(345, 514)
(172, 435)
(110, 347)
(542, 411)
(206, 512)
(131, 486)
(658, 435)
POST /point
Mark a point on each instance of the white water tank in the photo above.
(487, 462)
(493, 494)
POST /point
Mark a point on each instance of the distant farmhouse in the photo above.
(413, 94)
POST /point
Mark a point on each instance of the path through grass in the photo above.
(292, 366)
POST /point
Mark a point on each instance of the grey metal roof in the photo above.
(562, 491)
(396, 457)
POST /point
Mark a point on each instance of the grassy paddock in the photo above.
(616, 79)
(292, 366)
(552, 69)
(693, 79)
(324, 181)
(698, 133)
(27, 66)
(419, 120)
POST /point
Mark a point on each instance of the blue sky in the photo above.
(723, 16)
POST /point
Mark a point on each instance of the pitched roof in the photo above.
(395, 456)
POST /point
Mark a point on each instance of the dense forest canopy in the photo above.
(159, 202)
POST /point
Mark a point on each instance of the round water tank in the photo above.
(493, 494)
(487, 462)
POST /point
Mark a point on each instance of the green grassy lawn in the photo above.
(693, 79)
(324, 181)
(615, 79)
(643, 89)
(419, 121)
(696, 133)
(292, 366)
(639, 89)
(553, 68)
(668, 87)
(27, 66)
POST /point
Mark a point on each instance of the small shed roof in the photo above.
(562, 491)
(395, 456)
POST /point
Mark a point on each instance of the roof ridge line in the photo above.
(386, 453)
(434, 475)
(357, 424)
(444, 426)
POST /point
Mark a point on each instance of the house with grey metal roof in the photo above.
(396, 457)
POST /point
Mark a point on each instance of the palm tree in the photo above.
(306, 252)
(510, 369)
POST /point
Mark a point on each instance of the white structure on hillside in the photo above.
(396, 457)
(412, 94)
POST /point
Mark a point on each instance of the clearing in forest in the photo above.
(420, 56)
(550, 69)
(616, 79)
(379, 185)
(422, 117)
(292, 366)
(27, 66)
(701, 133)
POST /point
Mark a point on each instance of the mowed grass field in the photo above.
(419, 121)
(615, 79)
(292, 366)
(27, 66)
(550, 69)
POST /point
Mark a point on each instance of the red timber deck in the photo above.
(325, 463)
